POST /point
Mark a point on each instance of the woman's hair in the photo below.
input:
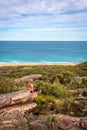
(31, 80)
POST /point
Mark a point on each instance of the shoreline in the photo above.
(32, 64)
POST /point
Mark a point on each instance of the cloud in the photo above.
(54, 29)
(40, 6)
(43, 13)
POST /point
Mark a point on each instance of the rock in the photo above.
(19, 117)
(83, 122)
(68, 123)
(81, 101)
(62, 122)
(84, 92)
(38, 125)
(16, 98)
(79, 78)
(43, 123)
(82, 95)
(16, 112)
(14, 109)
(28, 77)
(14, 117)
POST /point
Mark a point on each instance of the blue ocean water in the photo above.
(43, 51)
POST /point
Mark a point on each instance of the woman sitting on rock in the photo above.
(31, 86)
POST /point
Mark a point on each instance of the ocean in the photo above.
(43, 51)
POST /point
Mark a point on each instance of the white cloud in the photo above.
(55, 29)
(40, 6)
(20, 13)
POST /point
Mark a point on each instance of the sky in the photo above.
(42, 20)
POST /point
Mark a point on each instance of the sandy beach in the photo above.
(25, 64)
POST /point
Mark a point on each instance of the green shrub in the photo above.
(83, 84)
(19, 128)
(60, 91)
(41, 101)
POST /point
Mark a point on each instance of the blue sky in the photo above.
(57, 20)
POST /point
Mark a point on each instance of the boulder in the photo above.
(16, 98)
(14, 117)
(28, 77)
(66, 122)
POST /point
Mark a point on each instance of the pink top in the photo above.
(31, 87)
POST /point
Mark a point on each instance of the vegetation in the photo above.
(57, 85)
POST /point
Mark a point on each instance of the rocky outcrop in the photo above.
(16, 98)
(22, 117)
(28, 77)
(16, 113)
(77, 80)
(81, 100)
(83, 94)
(68, 123)
(14, 117)
(13, 109)
(60, 121)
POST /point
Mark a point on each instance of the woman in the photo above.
(31, 87)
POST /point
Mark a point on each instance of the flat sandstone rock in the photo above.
(16, 98)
